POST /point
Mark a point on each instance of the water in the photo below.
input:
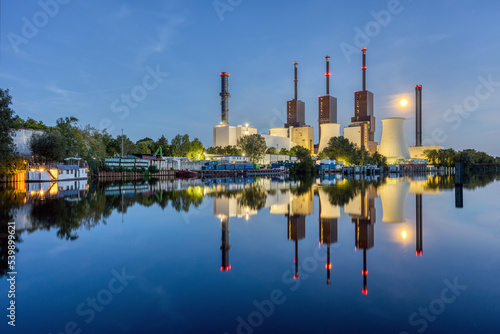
(221, 258)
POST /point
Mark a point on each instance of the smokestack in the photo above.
(224, 102)
(418, 115)
(296, 80)
(364, 68)
(327, 75)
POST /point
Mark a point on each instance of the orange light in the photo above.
(221, 268)
(295, 277)
(328, 266)
(365, 292)
(355, 248)
(364, 272)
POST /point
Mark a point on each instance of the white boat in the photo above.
(56, 173)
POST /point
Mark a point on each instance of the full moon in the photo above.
(403, 102)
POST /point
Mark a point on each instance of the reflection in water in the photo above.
(85, 206)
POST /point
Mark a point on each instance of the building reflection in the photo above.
(328, 226)
(363, 215)
(418, 215)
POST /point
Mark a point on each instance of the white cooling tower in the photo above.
(393, 195)
(328, 130)
(393, 144)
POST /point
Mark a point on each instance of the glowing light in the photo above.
(403, 234)
(403, 103)
(246, 125)
(365, 292)
(328, 266)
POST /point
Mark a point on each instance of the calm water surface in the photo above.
(399, 255)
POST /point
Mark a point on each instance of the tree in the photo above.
(196, 150)
(340, 148)
(272, 150)
(165, 147)
(253, 145)
(305, 168)
(180, 145)
(48, 147)
(378, 159)
(431, 155)
(128, 145)
(7, 150)
(146, 145)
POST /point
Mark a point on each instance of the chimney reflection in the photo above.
(328, 228)
(418, 229)
(225, 246)
(364, 228)
(296, 231)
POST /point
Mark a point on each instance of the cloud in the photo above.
(162, 40)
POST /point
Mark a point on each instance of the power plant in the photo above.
(296, 109)
(360, 131)
(418, 116)
(224, 96)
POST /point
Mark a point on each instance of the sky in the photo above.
(153, 68)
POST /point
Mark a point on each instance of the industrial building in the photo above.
(295, 108)
(223, 133)
(361, 131)
(327, 114)
(393, 144)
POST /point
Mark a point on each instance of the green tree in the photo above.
(340, 148)
(253, 145)
(196, 150)
(272, 150)
(7, 151)
(48, 147)
(128, 145)
(305, 167)
(180, 145)
(146, 145)
(165, 147)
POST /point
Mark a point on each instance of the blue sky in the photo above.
(81, 58)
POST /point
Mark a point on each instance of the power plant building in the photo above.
(363, 116)
(393, 144)
(296, 109)
(327, 114)
(223, 134)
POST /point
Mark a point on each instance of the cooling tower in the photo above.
(393, 144)
(328, 210)
(393, 195)
(328, 130)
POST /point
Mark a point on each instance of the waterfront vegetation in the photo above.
(340, 148)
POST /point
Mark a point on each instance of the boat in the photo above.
(57, 172)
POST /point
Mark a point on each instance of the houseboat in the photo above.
(58, 172)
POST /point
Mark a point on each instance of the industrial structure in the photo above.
(327, 112)
(418, 115)
(295, 108)
(361, 131)
(224, 134)
(393, 144)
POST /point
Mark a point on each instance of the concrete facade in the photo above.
(304, 136)
(229, 135)
(327, 131)
(393, 144)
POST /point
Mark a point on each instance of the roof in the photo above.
(67, 167)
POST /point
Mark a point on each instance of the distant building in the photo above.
(22, 138)
(229, 135)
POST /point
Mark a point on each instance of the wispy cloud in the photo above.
(162, 40)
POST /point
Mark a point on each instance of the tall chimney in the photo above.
(418, 115)
(364, 68)
(224, 102)
(327, 75)
(296, 80)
